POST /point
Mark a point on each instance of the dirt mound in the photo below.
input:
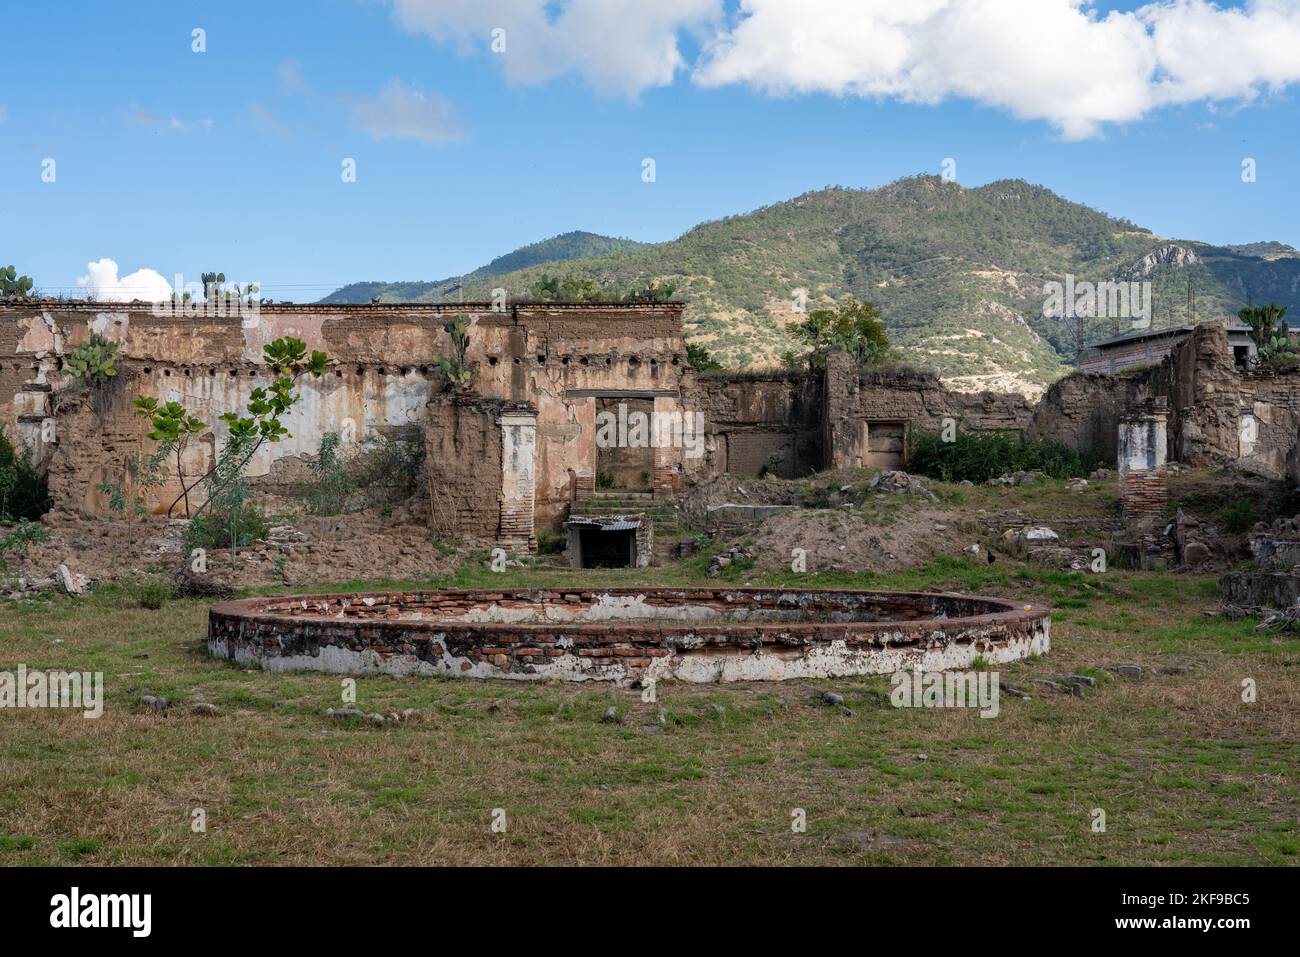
(853, 541)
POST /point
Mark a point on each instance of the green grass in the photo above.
(1185, 771)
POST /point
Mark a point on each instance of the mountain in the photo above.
(958, 274)
(574, 245)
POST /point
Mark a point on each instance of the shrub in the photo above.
(333, 487)
(222, 528)
(980, 456)
(23, 491)
(153, 594)
(1239, 516)
(550, 542)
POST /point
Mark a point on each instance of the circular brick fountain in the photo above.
(626, 635)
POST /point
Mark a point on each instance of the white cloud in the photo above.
(266, 119)
(1053, 60)
(292, 81)
(1061, 61)
(620, 47)
(102, 284)
(403, 112)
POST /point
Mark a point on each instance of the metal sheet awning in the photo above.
(606, 524)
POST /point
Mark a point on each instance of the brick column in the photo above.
(1143, 476)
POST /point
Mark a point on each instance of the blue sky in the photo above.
(230, 159)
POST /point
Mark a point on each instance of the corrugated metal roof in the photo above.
(606, 524)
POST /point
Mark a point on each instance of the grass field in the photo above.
(1185, 772)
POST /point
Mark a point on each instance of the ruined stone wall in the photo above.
(379, 379)
(750, 422)
(856, 399)
(1084, 410)
(463, 448)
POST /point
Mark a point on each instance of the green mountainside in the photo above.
(958, 273)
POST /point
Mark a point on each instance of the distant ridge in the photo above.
(572, 245)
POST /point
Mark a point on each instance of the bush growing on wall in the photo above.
(23, 491)
(980, 456)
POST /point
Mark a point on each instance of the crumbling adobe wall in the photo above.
(561, 358)
(379, 379)
(750, 420)
(462, 441)
(856, 398)
(1084, 410)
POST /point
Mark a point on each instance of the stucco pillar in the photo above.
(518, 480)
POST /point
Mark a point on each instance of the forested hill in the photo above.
(958, 274)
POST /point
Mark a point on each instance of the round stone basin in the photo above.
(626, 635)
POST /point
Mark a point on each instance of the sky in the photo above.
(140, 140)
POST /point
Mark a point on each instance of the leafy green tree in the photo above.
(12, 285)
(700, 359)
(854, 327)
(288, 360)
(173, 427)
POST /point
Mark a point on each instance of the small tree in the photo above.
(333, 487)
(1269, 331)
(700, 359)
(854, 327)
(173, 427)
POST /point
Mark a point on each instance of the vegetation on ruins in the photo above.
(333, 487)
(453, 368)
(854, 327)
(93, 366)
(700, 359)
(24, 493)
(571, 288)
(173, 428)
(18, 540)
(144, 474)
(980, 456)
(1270, 333)
(226, 517)
(12, 285)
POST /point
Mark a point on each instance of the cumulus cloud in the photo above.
(101, 283)
(403, 112)
(620, 47)
(1061, 61)
(1054, 60)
